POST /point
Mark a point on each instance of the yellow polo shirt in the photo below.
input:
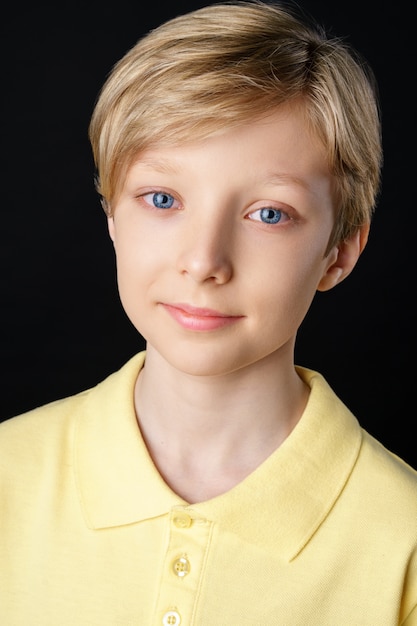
(323, 533)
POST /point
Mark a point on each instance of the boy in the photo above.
(211, 480)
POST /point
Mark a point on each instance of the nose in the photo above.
(206, 251)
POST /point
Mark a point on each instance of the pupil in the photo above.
(271, 215)
(161, 198)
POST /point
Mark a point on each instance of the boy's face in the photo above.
(220, 243)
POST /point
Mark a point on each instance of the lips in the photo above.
(199, 319)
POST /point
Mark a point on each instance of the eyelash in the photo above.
(166, 197)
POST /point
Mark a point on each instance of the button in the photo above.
(171, 618)
(181, 567)
(182, 520)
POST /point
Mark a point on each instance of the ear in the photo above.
(110, 226)
(343, 259)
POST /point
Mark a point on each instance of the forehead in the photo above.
(142, 137)
(279, 139)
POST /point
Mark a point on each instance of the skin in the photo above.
(220, 248)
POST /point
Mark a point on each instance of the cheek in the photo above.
(129, 262)
(132, 249)
(286, 289)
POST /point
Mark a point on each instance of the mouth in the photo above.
(199, 319)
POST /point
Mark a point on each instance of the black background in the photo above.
(63, 328)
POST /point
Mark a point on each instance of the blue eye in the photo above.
(162, 200)
(270, 216)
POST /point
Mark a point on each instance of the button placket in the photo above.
(188, 541)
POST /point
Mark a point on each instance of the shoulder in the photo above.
(51, 415)
(379, 467)
(48, 430)
(372, 477)
(29, 442)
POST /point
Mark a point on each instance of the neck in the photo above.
(205, 434)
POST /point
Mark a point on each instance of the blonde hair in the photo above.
(227, 63)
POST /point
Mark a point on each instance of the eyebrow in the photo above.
(281, 179)
(160, 165)
(272, 178)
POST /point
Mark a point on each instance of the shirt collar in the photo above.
(281, 504)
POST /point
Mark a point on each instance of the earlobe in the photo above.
(343, 259)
